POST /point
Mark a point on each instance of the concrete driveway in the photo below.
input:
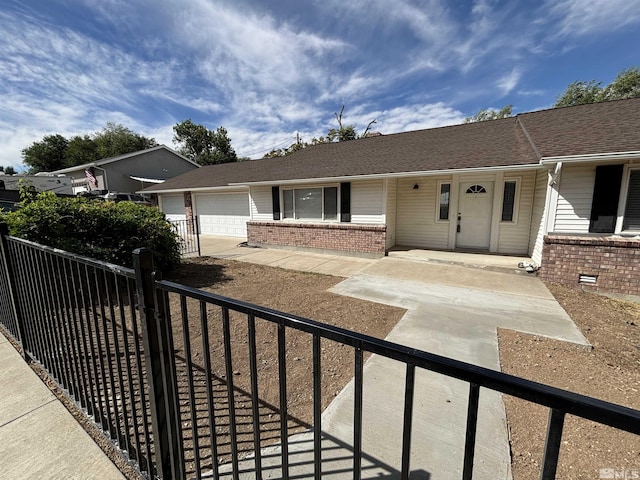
(452, 310)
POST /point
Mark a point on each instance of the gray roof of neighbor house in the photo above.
(515, 141)
(104, 161)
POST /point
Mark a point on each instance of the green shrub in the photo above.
(106, 231)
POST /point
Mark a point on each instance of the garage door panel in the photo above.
(173, 207)
(223, 214)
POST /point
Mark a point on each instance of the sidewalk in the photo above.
(38, 436)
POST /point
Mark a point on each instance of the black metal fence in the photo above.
(185, 381)
(188, 231)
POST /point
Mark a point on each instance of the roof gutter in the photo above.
(234, 187)
(424, 173)
(594, 157)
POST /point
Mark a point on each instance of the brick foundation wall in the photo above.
(615, 262)
(345, 237)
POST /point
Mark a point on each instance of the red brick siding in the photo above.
(346, 237)
(616, 262)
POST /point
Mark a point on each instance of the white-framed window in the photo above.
(510, 197)
(311, 203)
(444, 201)
(631, 215)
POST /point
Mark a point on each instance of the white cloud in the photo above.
(584, 17)
(509, 81)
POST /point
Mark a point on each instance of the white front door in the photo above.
(474, 215)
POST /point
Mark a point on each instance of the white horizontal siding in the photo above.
(367, 202)
(392, 191)
(514, 237)
(537, 216)
(574, 199)
(261, 203)
(416, 213)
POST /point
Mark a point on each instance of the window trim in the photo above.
(310, 220)
(516, 200)
(438, 194)
(622, 203)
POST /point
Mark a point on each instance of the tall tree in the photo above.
(579, 93)
(341, 134)
(55, 152)
(115, 139)
(490, 114)
(81, 149)
(626, 85)
(46, 155)
(203, 146)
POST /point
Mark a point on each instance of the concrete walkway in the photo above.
(38, 436)
(452, 310)
(231, 248)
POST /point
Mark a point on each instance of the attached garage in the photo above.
(223, 214)
(173, 207)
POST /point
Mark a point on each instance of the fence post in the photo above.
(163, 392)
(197, 232)
(8, 272)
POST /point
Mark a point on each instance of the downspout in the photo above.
(104, 177)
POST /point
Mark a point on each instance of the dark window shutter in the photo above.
(606, 192)
(345, 202)
(632, 210)
(275, 199)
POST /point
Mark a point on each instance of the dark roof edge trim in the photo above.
(593, 157)
(390, 175)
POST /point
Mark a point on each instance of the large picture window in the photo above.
(318, 203)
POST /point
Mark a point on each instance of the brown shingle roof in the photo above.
(586, 129)
(596, 128)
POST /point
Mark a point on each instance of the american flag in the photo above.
(90, 177)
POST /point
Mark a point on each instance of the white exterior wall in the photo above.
(514, 237)
(367, 202)
(537, 218)
(574, 198)
(392, 192)
(261, 207)
(416, 214)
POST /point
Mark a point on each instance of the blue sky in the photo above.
(266, 70)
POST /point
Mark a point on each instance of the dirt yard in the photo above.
(610, 371)
(297, 293)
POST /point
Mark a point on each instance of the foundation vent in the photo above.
(587, 279)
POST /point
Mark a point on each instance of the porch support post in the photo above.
(498, 192)
(453, 210)
(551, 203)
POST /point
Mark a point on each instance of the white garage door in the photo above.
(173, 207)
(223, 214)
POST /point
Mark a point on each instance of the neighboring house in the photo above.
(129, 172)
(561, 186)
